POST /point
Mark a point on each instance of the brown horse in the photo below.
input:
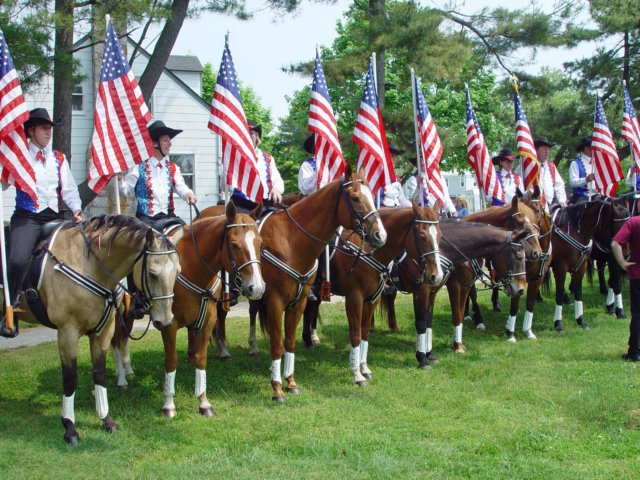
(205, 247)
(292, 241)
(80, 291)
(573, 229)
(360, 276)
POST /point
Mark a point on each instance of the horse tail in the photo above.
(383, 307)
(262, 316)
(546, 283)
(589, 271)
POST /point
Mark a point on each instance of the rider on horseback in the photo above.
(55, 187)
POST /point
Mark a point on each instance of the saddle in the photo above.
(166, 224)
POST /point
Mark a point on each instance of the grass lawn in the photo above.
(564, 406)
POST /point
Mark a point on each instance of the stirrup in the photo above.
(5, 332)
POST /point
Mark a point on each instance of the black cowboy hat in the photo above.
(40, 116)
(254, 126)
(158, 128)
(505, 154)
(584, 142)
(395, 150)
(310, 143)
(540, 141)
(413, 161)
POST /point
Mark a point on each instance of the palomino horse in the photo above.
(573, 230)
(80, 291)
(205, 247)
(292, 241)
(462, 243)
(360, 276)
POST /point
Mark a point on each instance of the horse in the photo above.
(573, 230)
(292, 239)
(360, 275)
(80, 292)
(205, 247)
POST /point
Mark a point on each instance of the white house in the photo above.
(464, 184)
(176, 101)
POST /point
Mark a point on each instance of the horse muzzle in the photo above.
(253, 289)
(378, 238)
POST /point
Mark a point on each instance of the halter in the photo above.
(358, 219)
(237, 268)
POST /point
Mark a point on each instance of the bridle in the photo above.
(422, 256)
(234, 266)
(358, 218)
(144, 274)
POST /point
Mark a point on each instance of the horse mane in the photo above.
(131, 226)
(571, 215)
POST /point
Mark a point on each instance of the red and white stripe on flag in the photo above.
(631, 128)
(330, 163)
(525, 146)
(227, 119)
(607, 169)
(120, 137)
(15, 167)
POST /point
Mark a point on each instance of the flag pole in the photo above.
(226, 288)
(8, 307)
(418, 142)
(375, 83)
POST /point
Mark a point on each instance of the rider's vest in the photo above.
(312, 162)
(267, 159)
(582, 190)
(500, 202)
(144, 188)
(637, 174)
(25, 202)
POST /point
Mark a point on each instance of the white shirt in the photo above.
(511, 181)
(412, 192)
(276, 179)
(550, 187)
(394, 196)
(159, 184)
(631, 177)
(574, 174)
(47, 181)
(307, 178)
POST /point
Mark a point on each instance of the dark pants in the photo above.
(23, 236)
(634, 326)
(575, 199)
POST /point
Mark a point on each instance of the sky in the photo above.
(261, 47)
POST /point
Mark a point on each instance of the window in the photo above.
(77, 102)
(462, 182)
(186, 163)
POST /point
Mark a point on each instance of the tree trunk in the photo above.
(376, 18)
(163, 48)
(63, 76)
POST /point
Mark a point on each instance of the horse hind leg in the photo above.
(309, 323)
(253, 339)
(220, 334)
(170, 367)
(99, 347)
(576, 288)
(68, 349)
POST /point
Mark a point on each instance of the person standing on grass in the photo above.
(629, 234)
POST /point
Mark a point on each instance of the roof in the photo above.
(184, 63)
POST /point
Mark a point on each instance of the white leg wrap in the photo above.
(511, 323)
(430, 339)
(421, 342)
(102, 404)
(354, 359)
(315, 339)
(527, 323)
(457, 334)
(619, 300)
(364, 351)
(578, 308)
(557, 313)
(169, 389)
(201, 382)
(289, 364)
(275, 371)
(610, 296)
(68, 410)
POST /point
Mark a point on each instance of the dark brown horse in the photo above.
(573, 230)
(360, 276)
(292, 241)
(79, 289)
(205, 247)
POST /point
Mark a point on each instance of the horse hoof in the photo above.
(226, 358)
(394, 330)
(207, 412)
(169, 412)
(124, 386)
(620, 313)
(426, 366)
(530, 335)
(610, 308)
(481, 327)
(278, 399)
(361, 383)
(254, 353)
(581, 323)
(293, 390)
(72, 440)
(467, 318)
(109, 425)
(557, 326)
(368, 376)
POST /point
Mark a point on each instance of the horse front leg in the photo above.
(68, 349)
(559, 275)
(198, 342)
(533, 288)
(615, 286)
(99, 346)
(457, 296)
(423, 314)
(476, 315)
(576, 287)
(368, 309)
(353, 307)
(170, 366)
(273, 310)
(253, 339)
(121, 358)
(309, 323)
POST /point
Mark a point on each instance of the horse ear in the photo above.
(256, 213)
(176, 235)
(520, 235)
(231, 212)
(150, 236)
(437, 205)
(348, 171)
(536, 192)
(519, 193)
(514, 201)
(415, 207)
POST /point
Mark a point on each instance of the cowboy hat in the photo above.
(158, 128)
(584, 142)
(254, 126)
(309, 143)
(505, 154)
(40, 116)
(540, 141)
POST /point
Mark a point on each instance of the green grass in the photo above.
(565, 406)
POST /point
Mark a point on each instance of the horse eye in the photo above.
(235, 245)
(355, 199)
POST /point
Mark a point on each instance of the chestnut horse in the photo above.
(360, 275)
(292, 241)
(80, 291)
(573, 229)
(205, 247)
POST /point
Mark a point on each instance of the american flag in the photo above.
(607, 169)
(524, 145)
(478, 155)
(631, 128)
(369, 134)
(14, 152)
(227, 119)
(120, 137)
(431, 145)
(327, 151)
